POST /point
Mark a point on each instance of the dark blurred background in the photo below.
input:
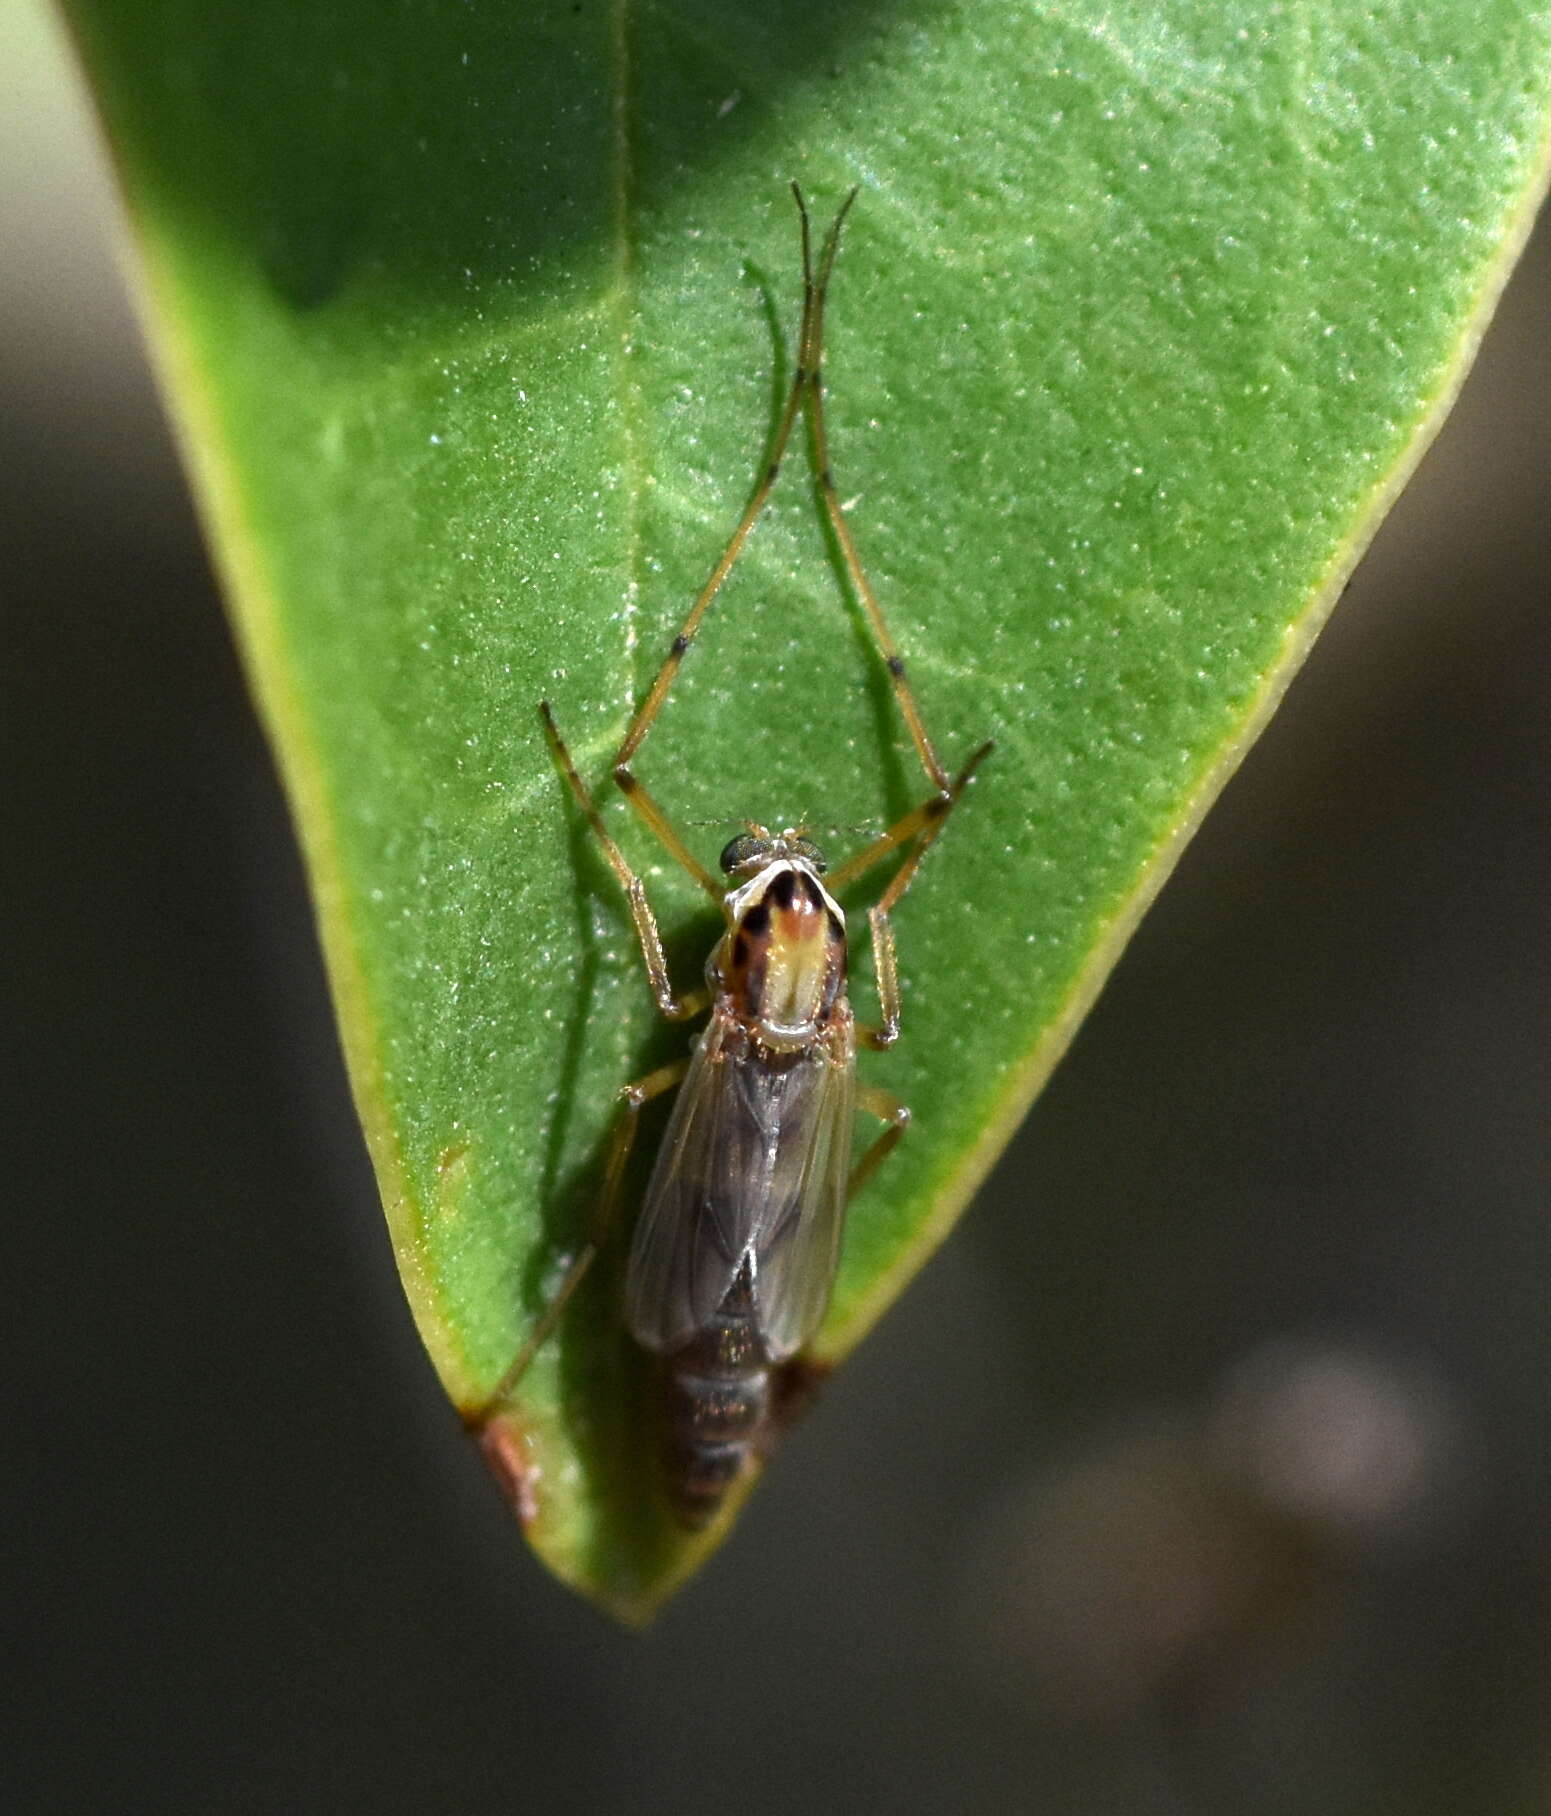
(1208, 1469)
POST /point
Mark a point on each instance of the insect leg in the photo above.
(675, 1008)
(885, 968)
(633, 1099)
(664, 830)
(652, 704)
(896, 1115)
(810, 360)
(922, 824)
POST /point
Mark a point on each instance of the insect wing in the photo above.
(797, 1246)
(754, 1163)
(685, 1253)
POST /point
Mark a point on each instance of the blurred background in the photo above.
(1208, 1469)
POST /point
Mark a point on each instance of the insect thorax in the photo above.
(783, 957)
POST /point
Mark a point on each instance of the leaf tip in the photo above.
(504, 1447)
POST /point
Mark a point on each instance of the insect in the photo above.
(738, 1239)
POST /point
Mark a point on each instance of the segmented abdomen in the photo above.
(718, 1399)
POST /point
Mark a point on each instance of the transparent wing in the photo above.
(753, 1163)
(797, 1248)
(687, 1248)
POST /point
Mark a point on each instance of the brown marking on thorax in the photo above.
(784, 960)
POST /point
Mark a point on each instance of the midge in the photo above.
(737, 1243)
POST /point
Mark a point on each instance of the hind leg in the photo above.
(634, 1098)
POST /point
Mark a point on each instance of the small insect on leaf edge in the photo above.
(737, 1243)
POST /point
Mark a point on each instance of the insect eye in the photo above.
(737, 852)
(809, 853)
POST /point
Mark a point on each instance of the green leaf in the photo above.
(472, 318)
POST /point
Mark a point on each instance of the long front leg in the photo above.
(810, 362)
(805, 382)
(675, 1008)
(641, 724)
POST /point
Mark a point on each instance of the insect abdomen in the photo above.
(718, 1398)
